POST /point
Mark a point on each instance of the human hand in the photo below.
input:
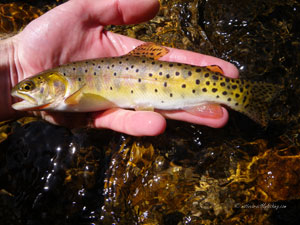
(75, 31)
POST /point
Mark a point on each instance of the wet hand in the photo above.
(75, 31)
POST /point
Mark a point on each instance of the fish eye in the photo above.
(27, 86)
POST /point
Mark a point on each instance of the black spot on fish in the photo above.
(102, 60)
(214, 83)
(217, 96)
(197, 81)
(237, 95)
(95, 73)
(237, 81)
(140, 80)
(165, 84)
(215, 77)
(79, 79)
(207, 82)
(86, 62)
(153, 63)
(127, 68)
(247, 86)
(204, 89)
(236, 104)
(224, 92)
(41, 78)
(171, 95)
(86, 71)
(206, 75)
(94, 64)
(120, 62)
(168, 76)
(131, 91)
(179, 64)
(112, 65)
(150, 74)
(143, 61)
(214, 90)
(137, 70)
(190, 73)
(126, 59)
(160, 65)
(177, 73)
(227, 79)
(228, 87)
(132, 66)
(107, 67)
(183, 86)
(155, 90)
(229, 99)
(160, 73)
(234, 87)
(115, 74)
(99, 67)
(171, 65)
(110, 88)
(194, 91)
(198, 70)
(241, 89)
(223, 84)
(74, 68)
(244, 99)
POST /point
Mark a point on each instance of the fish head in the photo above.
(40, 92)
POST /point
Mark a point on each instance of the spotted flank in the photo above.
(139, 81)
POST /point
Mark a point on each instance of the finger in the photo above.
(136, 123)
(202, 120)
(118, 12)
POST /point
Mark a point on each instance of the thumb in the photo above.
(117, 12)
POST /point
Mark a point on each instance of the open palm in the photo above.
(75, 31)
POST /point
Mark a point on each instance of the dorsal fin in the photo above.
(149, 50)
(215, 68)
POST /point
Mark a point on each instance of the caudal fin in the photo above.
(260, 97)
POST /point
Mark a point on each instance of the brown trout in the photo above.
(138, 80)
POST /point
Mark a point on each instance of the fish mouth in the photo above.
(25, 102)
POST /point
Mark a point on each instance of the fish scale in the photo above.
(138, 80)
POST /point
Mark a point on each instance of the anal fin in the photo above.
(207, 110)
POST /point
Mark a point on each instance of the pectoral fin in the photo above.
(86, 101)
(75, 97)
(149, 50)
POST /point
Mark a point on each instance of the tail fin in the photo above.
(260, 97)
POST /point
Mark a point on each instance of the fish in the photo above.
(138, 80)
